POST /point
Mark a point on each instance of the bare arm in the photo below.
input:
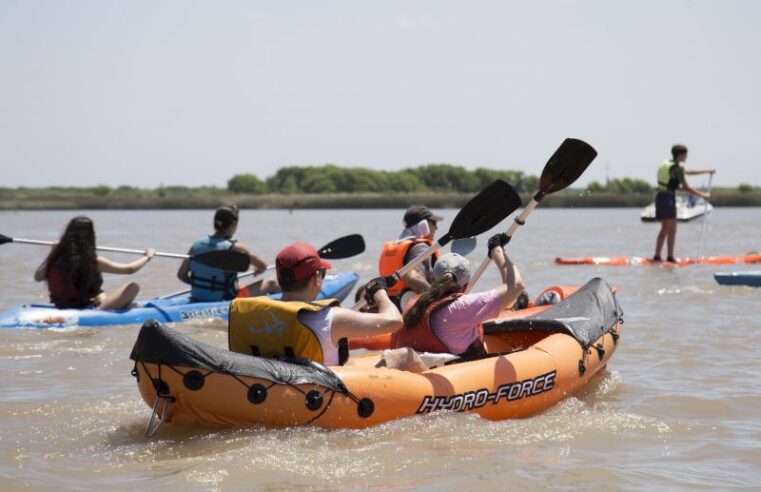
(108, 266)
(690, 190)
(353, 324)
(416, 281)
(512, 281)
(700, 171)
(39, 274)
(183, 273)
(255, 260)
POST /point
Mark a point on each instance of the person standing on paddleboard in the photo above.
(670, 179)
(213, 284)
(74, 270)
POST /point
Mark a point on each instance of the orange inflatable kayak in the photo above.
(532, 364)
(549, 296)
(639, 260)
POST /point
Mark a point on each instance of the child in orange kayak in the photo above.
(443, 319)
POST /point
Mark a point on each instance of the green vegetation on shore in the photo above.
(438, 185)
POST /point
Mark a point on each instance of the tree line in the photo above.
(428, 178)
(334, 179)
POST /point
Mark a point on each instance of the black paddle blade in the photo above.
(227, 260)
(566, 165)
(5, 239)
(483, 211)
(343, 247)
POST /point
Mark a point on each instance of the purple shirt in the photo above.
(456, 324)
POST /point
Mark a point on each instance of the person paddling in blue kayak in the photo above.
(73, 271)
(210, 284)
(670, 179)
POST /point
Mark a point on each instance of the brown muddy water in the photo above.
(679, 407)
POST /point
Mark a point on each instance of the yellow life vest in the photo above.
(667, 178)
(270, 328)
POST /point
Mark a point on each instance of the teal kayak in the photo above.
(173, 310)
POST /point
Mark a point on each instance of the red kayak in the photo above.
(639, 260)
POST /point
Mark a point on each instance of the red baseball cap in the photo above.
(301, 259)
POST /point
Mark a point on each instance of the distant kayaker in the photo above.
(73, 271)
(670, 179)
(300, 326)
(213, 284)
(443, 319)
(420, 225)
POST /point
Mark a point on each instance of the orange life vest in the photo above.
(421, 336)
(392, 259)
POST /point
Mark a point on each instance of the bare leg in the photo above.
(661, 237)
(262, 287)
(671, 236)
(120, 298)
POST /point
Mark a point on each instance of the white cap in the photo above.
(457, 265)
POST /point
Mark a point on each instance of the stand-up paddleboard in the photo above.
(640, 260)
(751, 278)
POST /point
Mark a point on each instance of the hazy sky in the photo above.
(187, 92)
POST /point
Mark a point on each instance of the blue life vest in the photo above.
(211, 284)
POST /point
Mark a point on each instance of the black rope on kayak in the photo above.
(325, 408)
(600, 350)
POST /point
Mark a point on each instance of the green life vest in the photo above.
(668, 176)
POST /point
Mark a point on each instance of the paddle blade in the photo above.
(565, 166)
(343, 247)
(227, 260)
(483, 211)
(5, 239)
(464, 246)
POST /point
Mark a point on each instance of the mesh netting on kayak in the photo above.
(585, 315)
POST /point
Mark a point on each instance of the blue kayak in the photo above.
(751, 278)
(174, 310)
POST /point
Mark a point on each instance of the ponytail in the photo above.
(439, 288)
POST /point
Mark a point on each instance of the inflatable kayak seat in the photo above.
(585, 315)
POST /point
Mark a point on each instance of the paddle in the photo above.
(343, 247)
(565, 166)
(703, 225)
(231, 261)
(481, 213)
(464, 246)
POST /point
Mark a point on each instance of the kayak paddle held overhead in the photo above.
(231, 261)
(565, 166)
(481, 213)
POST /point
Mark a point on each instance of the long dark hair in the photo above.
(439, 288)
(75, 256)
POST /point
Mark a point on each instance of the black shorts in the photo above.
(665, 205)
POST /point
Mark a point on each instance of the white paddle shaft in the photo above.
(519, 221)
(105, 248)
(406, 269)
(703, 225)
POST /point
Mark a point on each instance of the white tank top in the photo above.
(320, 323)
